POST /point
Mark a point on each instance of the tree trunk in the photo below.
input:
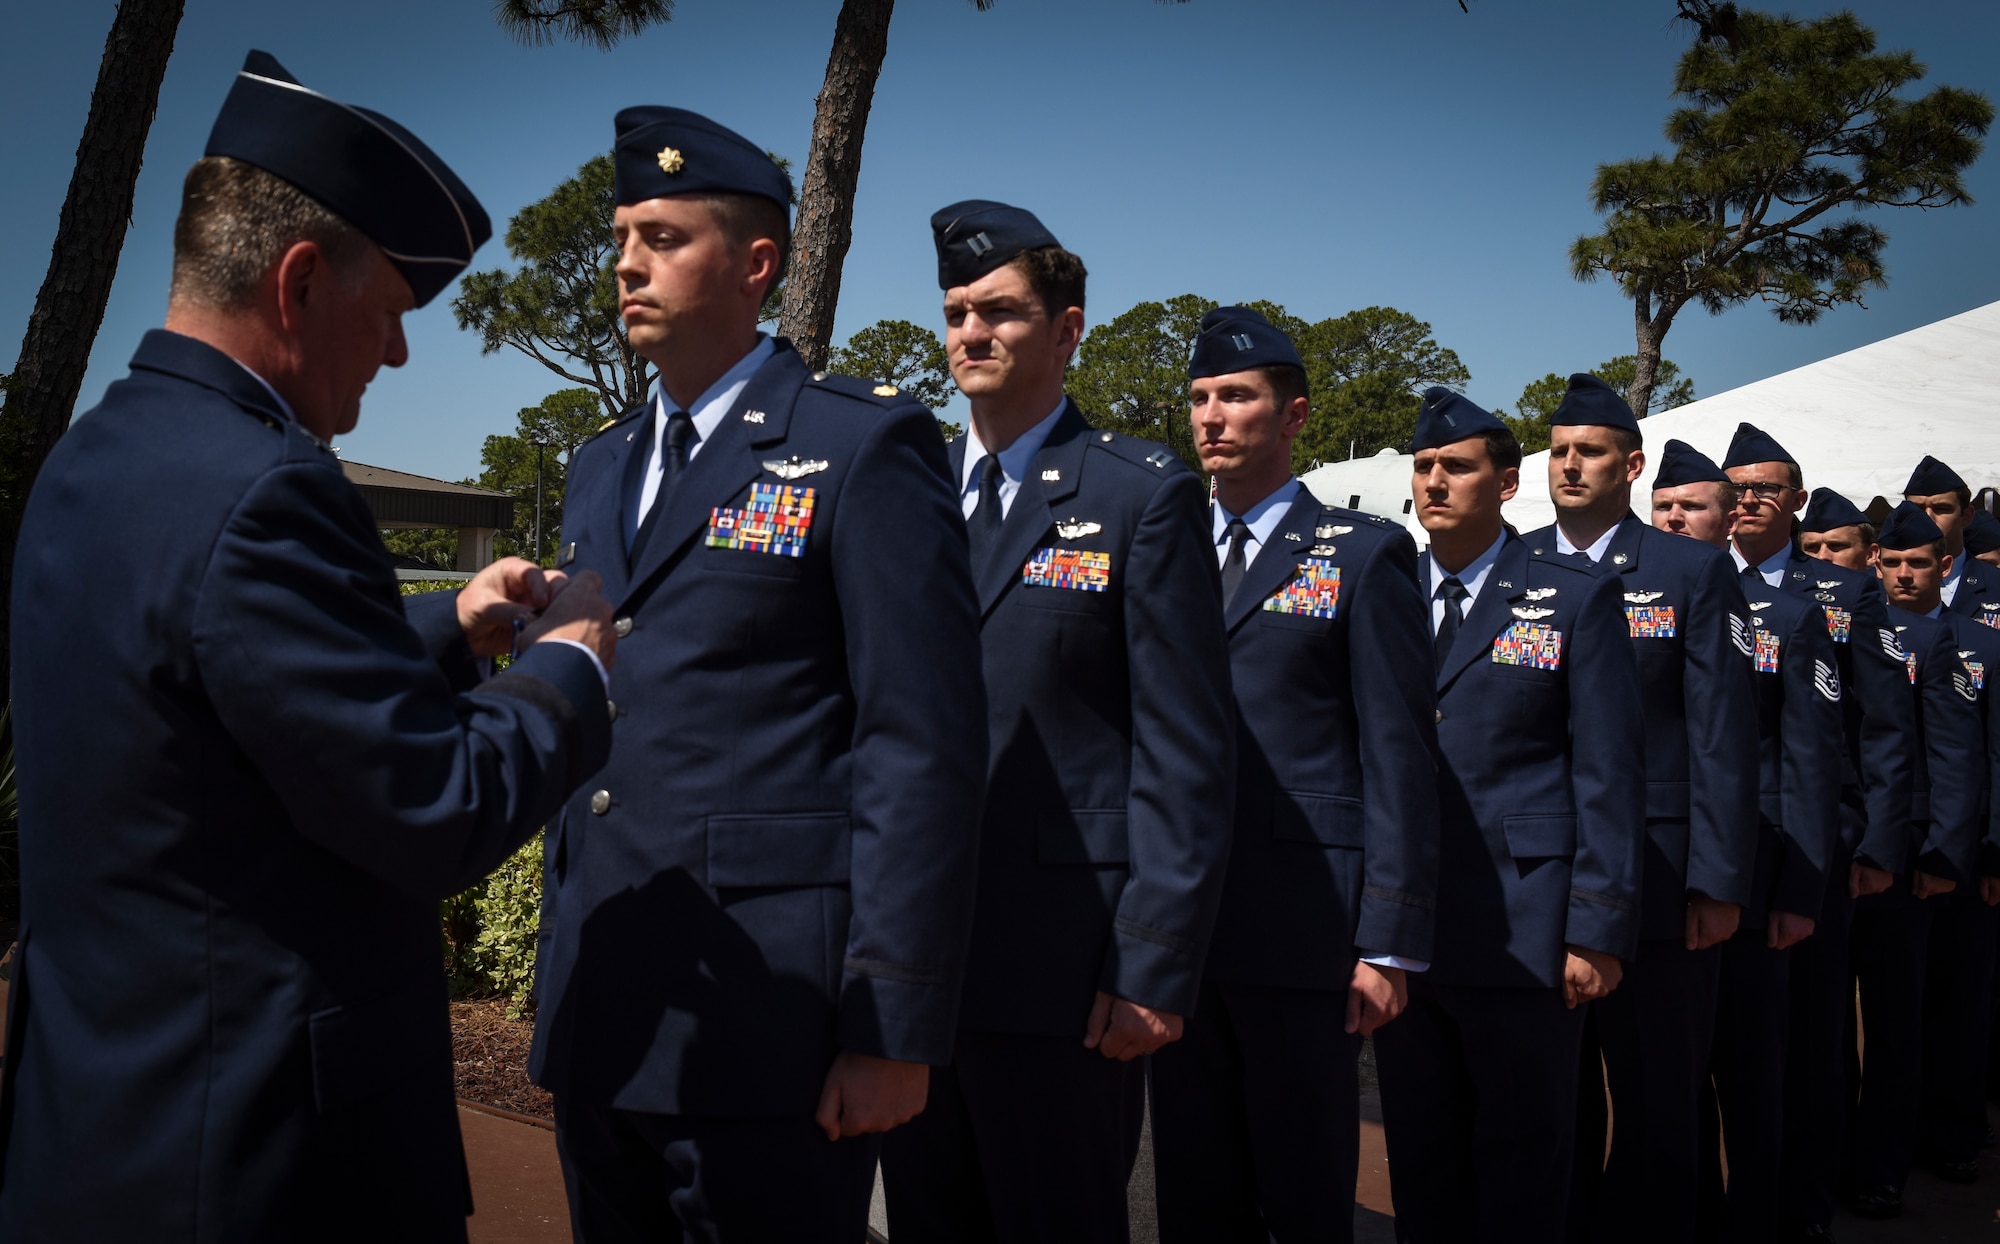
(1646, 360)
(825, 226)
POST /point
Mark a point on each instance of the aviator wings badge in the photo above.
(794, 468)
(1073, 530)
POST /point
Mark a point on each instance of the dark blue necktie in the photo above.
(982, 529)
(1453, 592)
(673, 461)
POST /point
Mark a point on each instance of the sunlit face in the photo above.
(1704, 511)
(1913, 579)
(680, 275)
(1843, 546)
(1457, 486)
(1767, 501)
(349, 330)
(1239, 428)
(1000, 339)
(1949, 513)
(1586, 467)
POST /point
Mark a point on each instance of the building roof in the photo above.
(400, 497)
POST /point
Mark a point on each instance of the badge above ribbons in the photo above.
(776, 520)
(1075, 569)
(1533, 644)
(1313, 592)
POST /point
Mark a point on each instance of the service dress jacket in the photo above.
(1336, 839)
(1978, 594)
(1109, 781)
(247, 778)
(777, 863)
(1542, 775)
(1799, 738)
(1688, 621)
(1880, 717)
(1946, 818)
(1978, 653)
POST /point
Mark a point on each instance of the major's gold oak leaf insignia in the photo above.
(886, 390)
(671, 161)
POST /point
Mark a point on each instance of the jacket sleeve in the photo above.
(1810, 729)
(434, 616)
(314, 670)
(1881, 686)
(1989, 850)
(919, 742)
(1183, 754)
(1954, 753)
(1395, 699)
(1607, 766)
(1720, 699)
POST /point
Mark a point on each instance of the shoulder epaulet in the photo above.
(877, 392)
(1148, 454)
(609, 424)
(1362, 516)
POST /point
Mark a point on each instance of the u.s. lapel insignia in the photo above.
(1051, 476)
(1506, 584)
(671, 161)
(1619, 559)
(1532, 614)
(753, 416)
(794, 468)
(1328, 531)
(1294, 537)
(565, 555)
(1073, 530)
(1642, 598)
(1320, 550)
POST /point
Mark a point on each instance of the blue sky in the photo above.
(1325, 154)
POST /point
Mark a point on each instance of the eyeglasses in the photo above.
(1764, 492)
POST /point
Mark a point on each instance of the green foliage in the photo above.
(1541, 397)
(560, 307)
(434, 548)
(1782, 127)
(906, 355)
(1370, 413)
(1130, 374)
(600, 22)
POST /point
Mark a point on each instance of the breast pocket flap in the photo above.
(1532, 837)
(779, 849)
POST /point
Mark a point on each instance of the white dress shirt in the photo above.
(1472, 576)
(1771, 570)
(1595, 552)
(1262, 518)
(1957, 573)
(707, 414)
(1014, 463)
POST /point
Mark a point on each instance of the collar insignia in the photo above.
(1293, 536)
(1619, 559)
(1052, 475)
(753, 416)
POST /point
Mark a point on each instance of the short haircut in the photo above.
(1727, 495)
(1627, 441)
(237, 221)
(747, 217)
(1502, 448)
(1055, 275)
(1287, 382)
(1796, 477)
(1868, 532)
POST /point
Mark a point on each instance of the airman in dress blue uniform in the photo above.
(1107, 819)
(1971, 590)
(1332, 881)
(1689, 627)
(1875, 788)
(249, 769)
(755, 925)
(1542, 833)
(1798, 747)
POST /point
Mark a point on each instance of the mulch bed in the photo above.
(490, 1058)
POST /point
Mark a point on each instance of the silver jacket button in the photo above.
(600, 802)
(611, 706)
(622, 627)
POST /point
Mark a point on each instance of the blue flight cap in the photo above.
(1827, 510)
(1909, 526)
(1449, 417)
(1982, 533)
(359, 165)
(668, 151)
(1932, 478)
(1591, 401)
(977, 236)
(1234, 339)
(1681, 463)
(1751, 445)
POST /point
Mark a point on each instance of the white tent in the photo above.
(1857, 422)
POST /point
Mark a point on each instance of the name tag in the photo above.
(1767, 652)
(1650, 621)
(776, 520)
(1533, 644)
(1076, 569)
(1314, 591)
(1838, 623)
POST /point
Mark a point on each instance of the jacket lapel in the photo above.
(1277, 561)
(1506, 583)
(1032, 513)
(1624, 545)
(597, 521)
(728, 460)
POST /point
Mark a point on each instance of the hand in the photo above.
(866, 1094)
(1711, 922)
(1989, 891)
(1375, 996)
(1787, 930)
(577, 612)
(510, 588)
(1589, 975)
(1930, 885)
(1125, 1030)
(1863, 881)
